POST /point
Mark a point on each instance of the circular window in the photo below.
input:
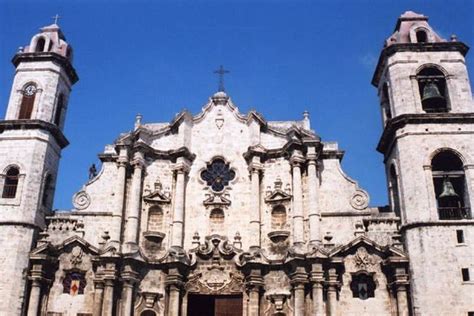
(218, 174)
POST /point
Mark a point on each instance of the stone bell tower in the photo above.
(31, 140)
(428, 148)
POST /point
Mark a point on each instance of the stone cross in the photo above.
(56, 18)
(221, 72)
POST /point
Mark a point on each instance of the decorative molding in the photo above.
(360, 200)
(278, 195)
(81, 200)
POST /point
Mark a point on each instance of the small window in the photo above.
(385, 102)
(362, 286)
(27, 102)
(10, 185)
(216, 220)
(59, 110)
(460, 236)
(465, 274)
(278, 217)
(421, 36)
(394, 192)
(46, 190)
(74, 283)
(155, 219)
(40, 45)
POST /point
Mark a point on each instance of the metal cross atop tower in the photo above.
(56, 18)
(221, 72)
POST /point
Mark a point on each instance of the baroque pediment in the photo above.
(278, 195)
(369, 245)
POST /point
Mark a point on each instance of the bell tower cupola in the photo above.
(43, 80)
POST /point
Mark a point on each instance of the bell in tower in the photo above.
(448, 197)
(432, 99)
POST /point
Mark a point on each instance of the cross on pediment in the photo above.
(221, 72)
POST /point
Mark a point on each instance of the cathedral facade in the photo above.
(226, 213)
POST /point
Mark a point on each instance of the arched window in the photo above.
(394, 192)
(216, 219)
(10, 185)
(362, 285)
(27, 101)
(450, 186)
(432, 85)
(40, 45)
(74, 283)
(46, 190)
(59, 110)
(421, 36)
(278, 217)
(155, 219)
(148, 313)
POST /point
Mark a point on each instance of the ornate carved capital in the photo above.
(182, 166)
(296, 159)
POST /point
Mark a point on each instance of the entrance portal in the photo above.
(214, 305)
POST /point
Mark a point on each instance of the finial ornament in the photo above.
(56, 18)
(221, 72)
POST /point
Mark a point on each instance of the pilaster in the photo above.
(296, 161)
(181, 169)
(255, 169)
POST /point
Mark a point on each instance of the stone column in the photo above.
(333, 285)
(298, 279)
(98, 296)
(174, 282)
(400, 284)
(117, 214)
(255, 221)
(133, 214)
(37, 281)
(402, 301)
(317, 280)
(35, 297)
(181, 169)
(129, 278)
(254, 283)
(298, 226)
(313, 188)
(108, 298)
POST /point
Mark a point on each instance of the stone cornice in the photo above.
(414, 47)
(35, 124)
(387, 138)
(48, 56)
(462, 222)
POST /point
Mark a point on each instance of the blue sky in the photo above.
(158, 57)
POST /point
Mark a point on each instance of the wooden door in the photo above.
(228, 305)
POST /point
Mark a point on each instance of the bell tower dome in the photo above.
(31, 140)
(428, 148)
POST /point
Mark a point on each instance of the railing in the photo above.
(9, 191)
(454, 213)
